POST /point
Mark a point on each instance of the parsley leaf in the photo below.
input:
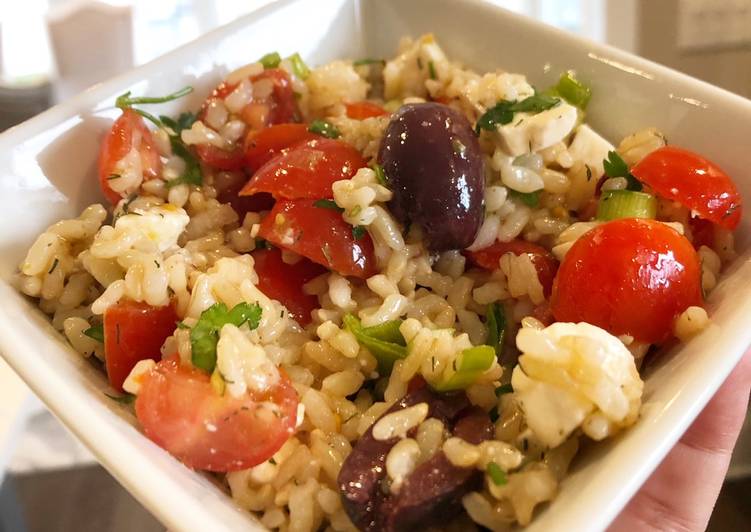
(615, 166)
(205, 334)
(96, 332)
(380, 174)
(530, 199)
(358, 232)
(324, 128)
(327, 204)
(495, 321)
(431, 70)
(125, 399)
(192, 174)
(503, 112)
(184, 121)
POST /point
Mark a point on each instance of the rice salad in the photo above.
(380, 294)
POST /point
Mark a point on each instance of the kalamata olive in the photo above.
(433, 162)
(432, 492)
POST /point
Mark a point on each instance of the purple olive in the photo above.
(434, 166)
(432, 493)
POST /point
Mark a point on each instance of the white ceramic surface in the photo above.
(47, 172)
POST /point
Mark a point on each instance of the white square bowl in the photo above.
(47, 171)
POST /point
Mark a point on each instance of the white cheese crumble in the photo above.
(134, 380)
(534, 132)
(572, 374)
(243, 364)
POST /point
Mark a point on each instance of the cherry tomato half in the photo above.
(321, 235)
(180, 411)
(694, 182)
(132, 332)
(364, 109)
(544, 261)
(128, 132)
(280, 106)
(264, 144)
(306, 170)
(284, 282)
(628, 276)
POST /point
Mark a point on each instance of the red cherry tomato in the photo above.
(284, 282)
(628, 276)
(132, 332)
(180, 411)
(262, 145)
(306, 170)
(280, 106)
(219, 158)
(128, 132)
(321, 235)
(545, 264)
(702, 232)
(363, 110)
(693, 181)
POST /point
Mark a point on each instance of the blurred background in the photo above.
(53, 49)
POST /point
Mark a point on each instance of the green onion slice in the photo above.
(299, 67)
(496, 474)
(573, 91)
(384, 341)
(615, 204)
(470, 364)
(271, 60)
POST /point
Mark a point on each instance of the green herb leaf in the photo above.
(271, 60)
(358, 231)
(299, 67)
(113, 176)
(469, 365)
(327, 204)
(431, 70)
(616, 167)
(496, 474)
(262, 244)
(54, 265)
(367, 61)
(384, 341)
(503, 389)
(205, 334)
(536, 103)
(96, 332)
(125, 399)
(324, 128)
(530, 199)
(499, 114)
(184, 121)
(126, 100)
(503, 112)
(495, 321)
(573, 91)
(192, 174)
(380, 174)
(181, 325)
